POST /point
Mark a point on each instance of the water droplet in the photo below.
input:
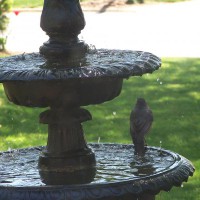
(161, 82)
(98, 140)
(92, 48)
(169, 159)
(182, 185)
(134, 170)
(114, 113)
(160, 144)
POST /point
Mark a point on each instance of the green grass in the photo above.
(27, 3)
(172, 93)
(39, 3)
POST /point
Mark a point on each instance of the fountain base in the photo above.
(67, 157)
(71, 168)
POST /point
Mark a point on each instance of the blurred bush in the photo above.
(5, 6)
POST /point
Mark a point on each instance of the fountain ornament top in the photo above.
(62, 21)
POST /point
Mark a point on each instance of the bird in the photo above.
(141, 119)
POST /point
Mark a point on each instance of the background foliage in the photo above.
(5, 6)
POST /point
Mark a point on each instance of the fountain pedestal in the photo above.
(67, 157)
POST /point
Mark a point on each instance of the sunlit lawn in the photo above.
(39, 3)
(172, 93)
(27, 3)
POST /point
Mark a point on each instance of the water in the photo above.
(96, 63)
(115, 163)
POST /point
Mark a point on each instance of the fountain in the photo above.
(64, 76)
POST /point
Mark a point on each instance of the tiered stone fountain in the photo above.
(65, 75)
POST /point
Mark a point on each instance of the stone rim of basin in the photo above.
(100, 63)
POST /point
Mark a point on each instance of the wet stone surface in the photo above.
(96, 63)
(115, 163)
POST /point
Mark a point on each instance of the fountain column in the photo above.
(67, 154)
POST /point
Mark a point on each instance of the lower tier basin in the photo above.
(119, 175)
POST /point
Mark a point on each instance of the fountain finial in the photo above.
(62, 21)
(140, 123)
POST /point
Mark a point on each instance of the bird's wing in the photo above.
(142, 124)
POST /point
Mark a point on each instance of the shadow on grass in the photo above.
(106, 6)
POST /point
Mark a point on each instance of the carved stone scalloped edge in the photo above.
(16, 68)
(174, 176)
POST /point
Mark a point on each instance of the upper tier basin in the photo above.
(30, 80)
(63, 93)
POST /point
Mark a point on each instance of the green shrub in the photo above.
(5, 6)
(2, 43)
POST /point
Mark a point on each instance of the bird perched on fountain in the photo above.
(141, 119)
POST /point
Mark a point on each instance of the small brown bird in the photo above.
(141, 119)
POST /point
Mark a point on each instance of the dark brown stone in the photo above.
(62, 20)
